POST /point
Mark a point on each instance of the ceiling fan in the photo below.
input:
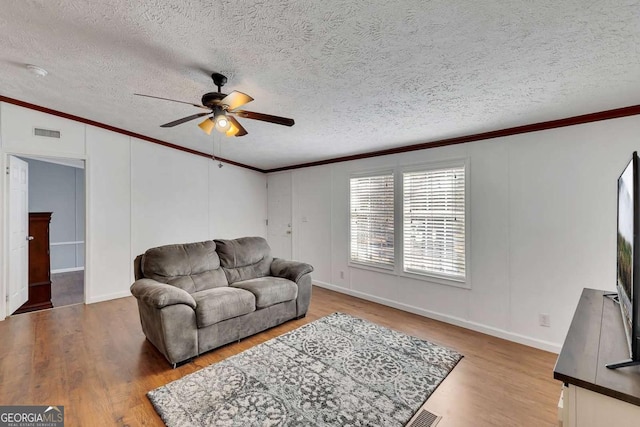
(222, 108)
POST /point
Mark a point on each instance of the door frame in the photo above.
(4, 220)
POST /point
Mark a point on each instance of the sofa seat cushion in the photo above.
(218, 304)
(269, 290)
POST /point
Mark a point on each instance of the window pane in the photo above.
(371, 220)
(434, 222)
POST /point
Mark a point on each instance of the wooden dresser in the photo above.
(39, 263)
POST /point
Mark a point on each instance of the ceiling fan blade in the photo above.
(235, 100)
(264, 117)
(183, 120)
(236, 128)
(172, 100)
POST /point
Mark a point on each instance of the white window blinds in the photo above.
(372, 220)
(434, 222)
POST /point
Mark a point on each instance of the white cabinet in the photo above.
(594, 395)
(585, 408)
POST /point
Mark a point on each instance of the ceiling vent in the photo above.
(47, 133)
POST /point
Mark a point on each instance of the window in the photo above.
(434, 222)
(430, 209)
(372, 220)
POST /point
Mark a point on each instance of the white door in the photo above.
(18, 289)
(279, 214)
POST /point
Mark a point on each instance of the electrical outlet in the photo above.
(342, 274)
(544, 319)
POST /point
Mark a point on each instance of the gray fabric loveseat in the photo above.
(195, 297)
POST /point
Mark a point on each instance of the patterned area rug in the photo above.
(336, 371)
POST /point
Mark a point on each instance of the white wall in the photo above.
(139, 195)
(169, 196)
(543, 227)
(312, 218)
(109, 254)
(234, 193)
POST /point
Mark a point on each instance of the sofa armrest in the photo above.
(160, 295)
(292, 270)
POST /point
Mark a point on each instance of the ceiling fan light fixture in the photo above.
(232, 131)
(207, 126)
(222, 123)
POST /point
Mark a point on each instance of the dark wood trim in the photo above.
(535, 127)
(121, 131)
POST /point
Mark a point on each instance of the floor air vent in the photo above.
(424, 418)
(46, 133)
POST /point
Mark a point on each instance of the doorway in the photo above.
(56, 192)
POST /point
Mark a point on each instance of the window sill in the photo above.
(415, 276)
(389, 270)
(464, 284)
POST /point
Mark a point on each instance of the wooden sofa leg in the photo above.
(302, 316)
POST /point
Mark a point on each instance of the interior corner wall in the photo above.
(543, 227)
(139, 195)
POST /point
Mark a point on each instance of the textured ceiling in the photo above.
(356, 76)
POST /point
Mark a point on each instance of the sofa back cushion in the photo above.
(245, 258)
(193, 267)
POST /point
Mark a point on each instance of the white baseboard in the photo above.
(474, 326)
(107, 297)
(67, 270)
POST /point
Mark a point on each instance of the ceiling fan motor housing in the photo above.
(212, 99)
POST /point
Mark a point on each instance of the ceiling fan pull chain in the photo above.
(220, 152)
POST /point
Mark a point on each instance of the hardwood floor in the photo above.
(94, 360)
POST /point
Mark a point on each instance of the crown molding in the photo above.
(122, 131)
(535, 127)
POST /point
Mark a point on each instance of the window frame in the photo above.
(398, 222)
(389, 269)
(433, 276)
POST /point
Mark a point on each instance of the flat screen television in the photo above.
(628, 254)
